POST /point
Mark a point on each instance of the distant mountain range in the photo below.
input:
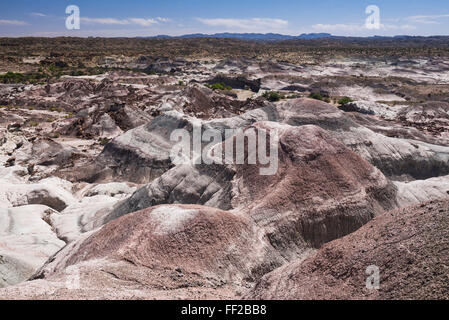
(250, 36)
(279, 37)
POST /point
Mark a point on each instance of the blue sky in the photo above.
(130, 18)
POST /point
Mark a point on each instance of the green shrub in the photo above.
(272, 96)
(54, 69)
(12, 77)
(218, 86)
(78, 73)
(316, 96)
(56, 109)
(104, 141)
(344, 101)
(32, 123)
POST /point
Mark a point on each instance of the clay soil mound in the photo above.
(409, 246)
(321, 191)
(198, 240)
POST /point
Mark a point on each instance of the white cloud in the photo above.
(13, 23)
(353, 28)
(394, 26)
(163, 19)
(337, 27)
(427, 19)
(145, 22)
(403, 27)
(105, 21)
(37, 14)
(252, 24)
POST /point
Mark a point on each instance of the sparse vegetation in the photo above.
(78, 73)
(272, 96)
(104, 141)
(219, 86)
(344, 101)
(12, 77)
(32, 123)
(316, 96)
(9, 107)
(56, 109)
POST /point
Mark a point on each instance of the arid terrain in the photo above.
(92, 205)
